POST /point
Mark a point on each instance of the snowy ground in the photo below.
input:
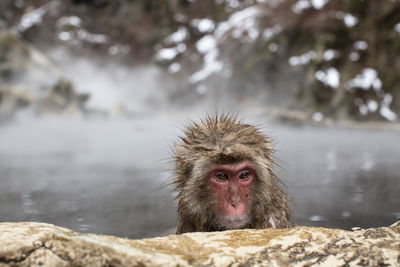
(104, 176)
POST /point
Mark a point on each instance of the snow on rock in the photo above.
(385, 110)
(69, 21)
(240, 21)
(31, 19)
(35, 16)
(302, 59)
(367, 79)
(329, 77)
(239, 24)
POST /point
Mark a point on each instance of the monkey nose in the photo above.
(234, 204)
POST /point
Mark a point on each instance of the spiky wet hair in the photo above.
(220, 140)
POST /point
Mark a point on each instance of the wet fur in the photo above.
(220, 140)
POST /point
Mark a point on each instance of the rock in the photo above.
(32, 244)
(29, 79)
(13, 98)
(62, 99)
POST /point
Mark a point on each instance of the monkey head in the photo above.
(223, 178)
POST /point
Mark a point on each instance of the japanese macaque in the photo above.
(223, 178)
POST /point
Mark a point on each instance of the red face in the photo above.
(231, 185)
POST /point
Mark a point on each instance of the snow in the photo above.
(181, 47)
(318, 116)
(372, 106)
(300, 6)
(174, 67)
(385, 110)
(179, 17)
(354, 56)
(360, 45)
(211, 65)
(65, 36)
(92, 37)
(19, 3)
(302, 59)
(305, 4)
(363, 109)
(367, 79)
(177, 37)
(350, 20)
(203, 25)
(205, 44)
(397, 27)
(242, 20)
(167, 53)
(388, 114)
(319, 4)
(208, 47)
(119, 49)
(69, 21)
(329, 54)
(268, 33)
(233, 3)
(273, 47)
(330, 77)
(31, 19)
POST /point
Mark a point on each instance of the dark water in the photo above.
(104, 176)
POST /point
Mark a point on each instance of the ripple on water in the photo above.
(28, 203)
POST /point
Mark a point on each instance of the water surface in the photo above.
(105, 176)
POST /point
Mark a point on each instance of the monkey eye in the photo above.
(245, 175)
(222, 176)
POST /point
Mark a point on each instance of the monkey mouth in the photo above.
(236, 222)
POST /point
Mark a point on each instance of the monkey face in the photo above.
(231, 186)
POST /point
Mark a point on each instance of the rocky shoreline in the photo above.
(34, 244)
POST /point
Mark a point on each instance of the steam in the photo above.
(113, 87)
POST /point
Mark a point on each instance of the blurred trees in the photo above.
(339, 58)
(353, 49)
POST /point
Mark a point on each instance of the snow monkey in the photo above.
(223, 178)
